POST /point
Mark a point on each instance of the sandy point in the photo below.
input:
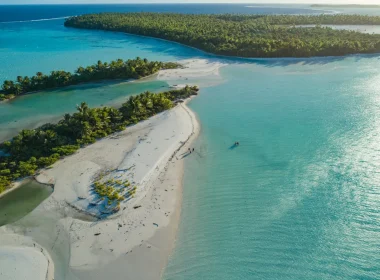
(23, 258)
(137, 240)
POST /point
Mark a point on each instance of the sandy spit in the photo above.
(134, 243)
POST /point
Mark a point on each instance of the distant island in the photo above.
(33, 149)
(117, 69)
(344, 6)
(244, 35)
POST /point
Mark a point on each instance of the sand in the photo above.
(136, 241)
(21, 258)
(192, 68)
(126, 242)
(200, 72)
(33, 261)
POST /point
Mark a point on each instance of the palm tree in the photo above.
(99, 65)
(83, 108)
(8, 85)
(80, 70)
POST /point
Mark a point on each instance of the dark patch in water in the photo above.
(23, 200)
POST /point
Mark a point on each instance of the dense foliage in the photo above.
(244, 35)
(41, 147)
(119, 69)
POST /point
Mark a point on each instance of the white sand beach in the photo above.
(33, 262)
(192, 68)
(137, 240)
(202, 72)
(21, 258)
(131, 239)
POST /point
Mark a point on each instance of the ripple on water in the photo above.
(299, 198)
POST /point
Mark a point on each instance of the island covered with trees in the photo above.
(117, 69)
(244, 35)
(33, 149)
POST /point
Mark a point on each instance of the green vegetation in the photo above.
(244, 35)
(119, 69)
(33, 149)
(114, 190)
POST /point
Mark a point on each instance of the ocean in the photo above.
(298, 199)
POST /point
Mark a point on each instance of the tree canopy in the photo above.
(116, 69)
(244, 35)
(33, 149)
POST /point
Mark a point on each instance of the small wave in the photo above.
(32, 20)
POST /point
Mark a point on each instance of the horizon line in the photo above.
(143, 3)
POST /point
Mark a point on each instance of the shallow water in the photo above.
(30, 111)
(298, 199)
(28, 47)
(21, 201)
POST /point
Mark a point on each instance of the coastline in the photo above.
(155, 250)
(144, 230)
(242, 58)
(14, 187)
(22, 257)
(82, 84)
(146, 242)
(20, 182)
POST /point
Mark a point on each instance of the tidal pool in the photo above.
(18, 203)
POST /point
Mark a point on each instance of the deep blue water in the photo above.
(37, 12)
(298, 199)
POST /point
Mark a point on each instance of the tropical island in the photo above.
(33, 149)
(116, 69)
(344, 6)
(244, 35)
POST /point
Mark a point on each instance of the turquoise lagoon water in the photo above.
(21, 201)
(32, 46)
(28, 47)
(32, 110)
(298, 199)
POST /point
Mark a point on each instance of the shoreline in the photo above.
(16, 185)
(156, 243)
(162, 216)
(20, 252)
(251, 59)
(177, 217)
(99, 82)
(195, 69)
(144, 231)
(69, 86)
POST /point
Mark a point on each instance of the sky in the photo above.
(188, 1)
